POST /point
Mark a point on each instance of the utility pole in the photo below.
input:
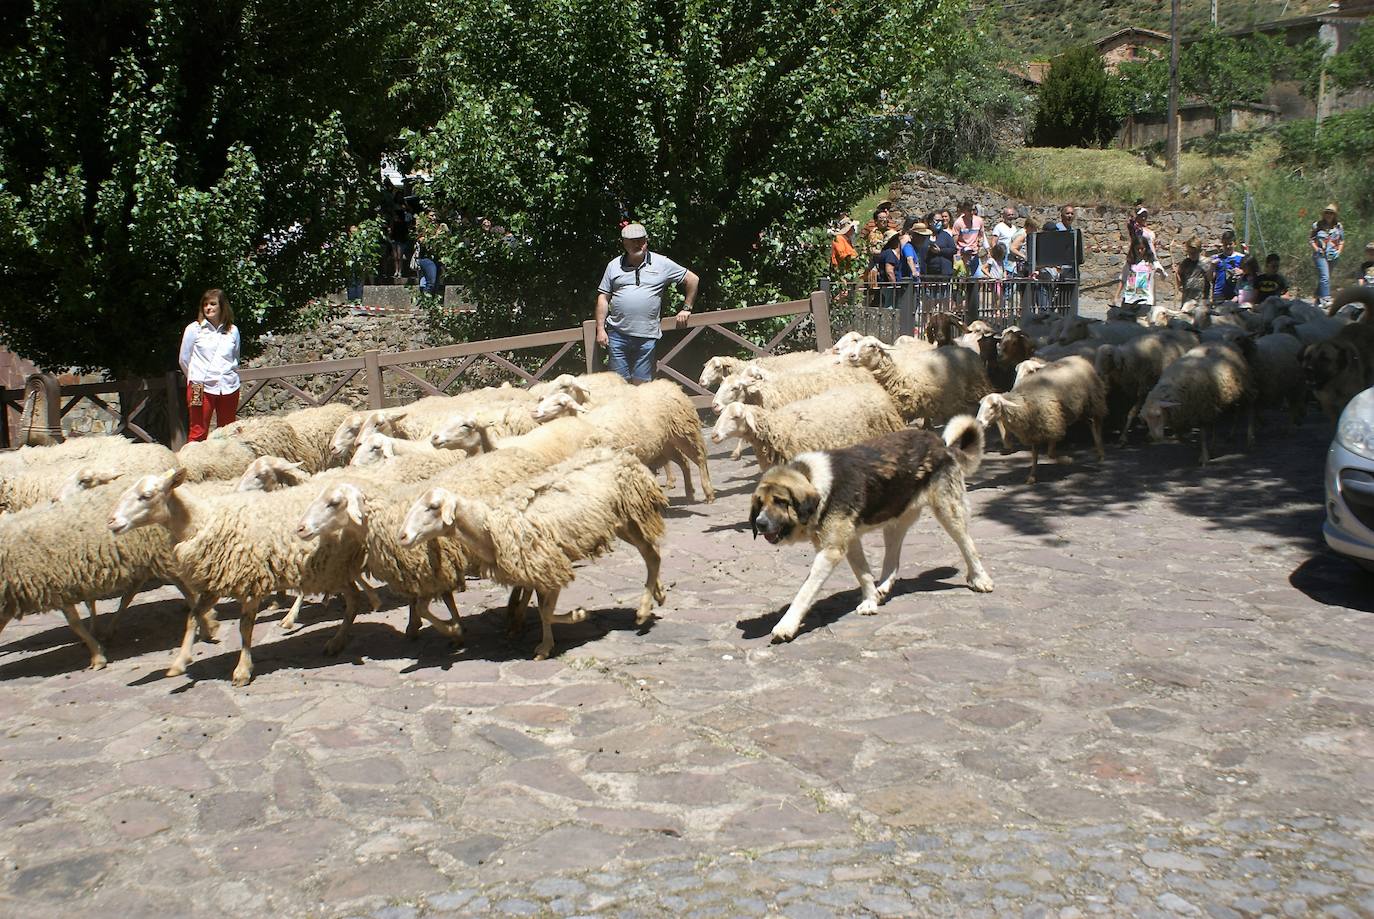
(1214, 14)
(1171, 142)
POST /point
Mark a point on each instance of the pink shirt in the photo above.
(968, 235)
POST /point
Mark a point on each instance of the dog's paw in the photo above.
(781, 634)
(867, 608)
(982, 583)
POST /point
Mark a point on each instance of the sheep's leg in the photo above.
(858, 562)
(653, 563)
(74, 620)
(547, 600)
(669, 480)
(289, 623)
(953, 516)
(686, 468)
(739, 449)
(1131, 417)
(195, 616)
(825, 562)
(455, 622)
(373, 601)
(894, 534)
(1005, 436)
(1202, 436)
(413, 623)
(447, 627)
(707, 488)
(336, 644)
(1250, 425)
(248, 617)
(515, 610)
(1096, 425)
(1035, 459)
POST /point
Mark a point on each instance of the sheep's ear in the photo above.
(388, 449)
(173, 477)
(580, 409)
(353, 505)
(579, 392)
(448, 509)
(389, 415)
(1169, 403)
(750, 419)
(754, 507)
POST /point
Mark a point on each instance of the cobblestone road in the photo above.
(1163, 709)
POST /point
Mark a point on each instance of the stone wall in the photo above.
(1104, 227)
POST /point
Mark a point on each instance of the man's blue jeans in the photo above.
(1323, 275)
(631, 356)
(429, 275)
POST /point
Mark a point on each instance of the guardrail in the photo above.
(528, 358)
(888, 309)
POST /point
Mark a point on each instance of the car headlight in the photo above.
(1355, 432)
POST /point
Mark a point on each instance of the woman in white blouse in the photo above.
(210, 360)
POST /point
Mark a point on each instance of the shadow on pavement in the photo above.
(836, 606)
(1334, 581)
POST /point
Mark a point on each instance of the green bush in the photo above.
(1077, 104)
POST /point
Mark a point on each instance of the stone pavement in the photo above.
(1164, 708)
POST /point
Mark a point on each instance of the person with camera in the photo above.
(629, 301)
(209, 359)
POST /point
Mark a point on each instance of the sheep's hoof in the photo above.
(660, 595)
(883, 590)
(542, 652)
(981, 583)
(412, 632)
(177, 669)
(645, 616)
(242, 677)
(98, 662)
(867, 608)
(209, 631)
(1030, 480)
(577, 615)
(336, 644)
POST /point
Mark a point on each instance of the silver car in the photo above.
(1349, 527)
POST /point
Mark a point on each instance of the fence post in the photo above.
(589, 343)
(42, 386)
(907, 321)
(176, 412)
(820, 317)
(376, 394)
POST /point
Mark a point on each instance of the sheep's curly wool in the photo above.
(934, 385)
(840, 417)
(40, 482)
(314, 427)
(223, 458)
(1206, 381)
(1040, 410)
(658, 424)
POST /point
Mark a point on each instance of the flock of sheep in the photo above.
(519, 485)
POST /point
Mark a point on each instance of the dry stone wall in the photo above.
(1103, 226)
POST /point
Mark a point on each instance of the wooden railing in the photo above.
(516, 356)
(43, 403)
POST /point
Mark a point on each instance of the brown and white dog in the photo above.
(1340, 367)
(834, 497)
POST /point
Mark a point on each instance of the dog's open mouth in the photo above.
(772, 537)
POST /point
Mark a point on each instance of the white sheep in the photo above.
(588, 387)
(242, 546)
(41, 482)
(1133, 368)
(839, 418)
(497, 421)
(1277, 374)
(59, 555)
(530, 537)
(314, 428)
(721, 366)
(1041, 409)
(655, 422)
(222, 458)
(1197, 388)
(932, 385)
(773, 391)
(418, 420)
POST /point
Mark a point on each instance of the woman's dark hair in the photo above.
(226, 312)
(894, 243)
(999, 251)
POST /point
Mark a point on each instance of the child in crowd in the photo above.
(1366, 277)
(1190, 275)
(1271, 283)
(1135, 295)
(1245, 288)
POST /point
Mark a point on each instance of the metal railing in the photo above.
(887, 309)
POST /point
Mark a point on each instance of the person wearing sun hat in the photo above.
(1327, 241)
(629, 301)
(842, 251)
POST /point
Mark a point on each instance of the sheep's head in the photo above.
(458, 432)
(570, 385)
(338, 508)
(85, 479)
(756, 372)
(990, 408)
(268, 473)
(731, 390)
(713, 373)
(1106, 361)
(1156, 413)
(433, 514)
(867, 352)
(383, 421)
(145, 502)
(373, 450)
(346, 436)
(736, 420)
(558, 405)
(1026, 368)
(846, 341)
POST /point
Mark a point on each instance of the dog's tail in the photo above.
(964, 437)
(1353, 294)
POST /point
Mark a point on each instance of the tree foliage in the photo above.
(1076, 106)
(1353, 68)
(725, 127)
(150, 149)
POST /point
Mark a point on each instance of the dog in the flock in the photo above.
(834, 497)
(1340, 367)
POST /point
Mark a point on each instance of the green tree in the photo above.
(152, 147)
(728, 128)
(1353, 68)
(1076, 106)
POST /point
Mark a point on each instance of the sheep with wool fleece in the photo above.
(775, 391)
(722, 366)
(553, 441)
(58, 555)
(418, 420)
(1133, 368)
(41, 483)
(1196, 389)
(211, 459)
(655, 422)
(840, 417)
(499, 422)
(314, 428)
(1311, 331)
(242, 546)
(588, 387)
(1041, 409)
(531, 535)
(13, 462)
(1276, 369)
(933, 385)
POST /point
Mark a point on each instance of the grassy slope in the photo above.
(1038, 29)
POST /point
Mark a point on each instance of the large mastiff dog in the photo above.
(834, 497)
